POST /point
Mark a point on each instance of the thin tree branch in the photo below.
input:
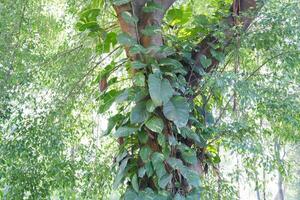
(268, 60)
(238, 8)
(90, 71)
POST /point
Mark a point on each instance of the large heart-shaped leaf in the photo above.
(177, 110)
(150, 106)
(205, 62)
(160, 90)
(157, 160)
(139, 113)
(164, 180)
(155, 124)
(172, 65)
(135, 183)
(138, 65)
(145, 154)
(124, 131)
(191, 176)
(170, 62)
(125, 39)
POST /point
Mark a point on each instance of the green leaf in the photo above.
(150, 30)
(143, 137)
(129, 18)
(186, 132)
(164, 180)
(172, 140)
(137, 94)
(107, 100)
(105, 71)
(142, 172)
(90, 14)
(138, 65)
(145, 154)
(130, 195)
(137, 48)
(139, 79)
(150, 106)
(125, 39)
(125, 131)
(172, 65)
(161, 140)
(170, 62)
(134, 183)
(175, 163)
(191, 176)
(157, 157)
(121, 173)
(92, 26)
(121, 156)
(179, 16)
(205, 62)
(152, 6)
(160, 90)
(110, 41)
(120, 2)
(155, 124)
(177, 110)
(201, 20)
(188, 154)
(123, 96)
(179, 197)
(157, 160)
(167, 50)
(217, 55)
(152, 49)
(112, 121)
(149, 169)
(139, 113)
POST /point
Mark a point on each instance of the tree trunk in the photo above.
(277, 149)
(135, 31)
(257, 186)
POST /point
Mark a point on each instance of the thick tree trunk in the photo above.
(135, 31)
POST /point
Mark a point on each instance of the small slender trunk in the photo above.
(219, 179)
(280, 187)
(264, 183)
(277, 148)
(256, 187)
(238, 175)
